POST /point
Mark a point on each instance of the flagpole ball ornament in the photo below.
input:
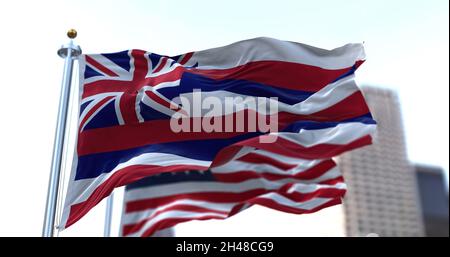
(72, 33)
(75, 50)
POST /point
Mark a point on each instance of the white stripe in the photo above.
(285, 159)
(98, 97)
(174, 83)
(174, 214)
(160, 159)
(341, 134)
(118, 110)
(265, 49)
(137, 105)
(306, 205)
(134, 217)
(168, 232)
(310, 188)
(327, 96)
(236, 165)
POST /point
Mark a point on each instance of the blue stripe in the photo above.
(190, 81)
(172, 177)
(311, 125)
(91, 166)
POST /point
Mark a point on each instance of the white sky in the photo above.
(407, 50)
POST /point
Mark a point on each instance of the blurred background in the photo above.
(396, 187)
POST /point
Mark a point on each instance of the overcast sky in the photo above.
(407, 50)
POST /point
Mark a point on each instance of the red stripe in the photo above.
(140, 65)
(279, 207)
(289, 148)
(161, 101)
(161, 65)
(121, 177)
(131, 228)
(93, 109)
(100, 66)
(217, 197)
(104, 86)
(128, 99)
(311, 173)
(294, 76)
(170, 222)
(186, 58)
(136, 135)
(128, 108)
(258, 159)
(332, 181)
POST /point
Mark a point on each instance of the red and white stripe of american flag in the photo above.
(279, 182)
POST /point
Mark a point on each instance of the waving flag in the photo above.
(129, 100)
(288, 184)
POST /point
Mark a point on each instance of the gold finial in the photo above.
(72, 33)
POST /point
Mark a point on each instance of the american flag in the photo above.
(127, 100)
(288, 184)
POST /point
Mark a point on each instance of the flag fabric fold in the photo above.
(288, 184)
(128, 101)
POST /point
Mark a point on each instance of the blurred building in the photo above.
(433, 199)
(382, 197)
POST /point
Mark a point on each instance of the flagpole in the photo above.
(108, 215)
(69, 52)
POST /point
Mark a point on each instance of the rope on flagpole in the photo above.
(69, 52)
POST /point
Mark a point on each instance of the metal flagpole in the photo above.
(108, 215)
(69, 52)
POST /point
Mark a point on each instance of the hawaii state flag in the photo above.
(259, 120)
